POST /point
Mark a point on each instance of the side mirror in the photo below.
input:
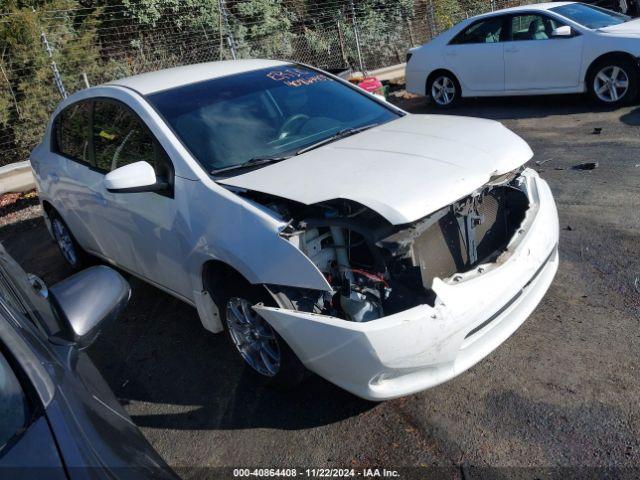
(85, 302)
(563, 31)
(132, 178)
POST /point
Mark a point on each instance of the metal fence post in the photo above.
(357, 36)
(231, 41)
(433, 28)
(54, 67)
(49, 51)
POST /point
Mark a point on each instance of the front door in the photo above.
(535, 60)
(475, 55)
(142, 232)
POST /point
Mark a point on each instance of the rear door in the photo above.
(476, 56)
(76, 181)
(534, 60)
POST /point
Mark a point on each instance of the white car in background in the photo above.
(320, 226)
(546, 48)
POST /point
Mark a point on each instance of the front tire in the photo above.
(444, 90)
(262, 350)
(614, 82)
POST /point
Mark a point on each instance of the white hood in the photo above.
(403, 170)
(627, 29)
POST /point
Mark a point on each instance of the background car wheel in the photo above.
(263, 351)
(444, 90)
(71, 251)
(614, 82)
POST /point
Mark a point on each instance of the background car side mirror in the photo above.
(132, 178)
(85, 302)
(563, 31)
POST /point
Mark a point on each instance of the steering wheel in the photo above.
(292, 125)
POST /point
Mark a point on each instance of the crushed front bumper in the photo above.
(424, 346)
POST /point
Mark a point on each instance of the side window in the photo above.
(73, 131)
(120, 138)
(532, 27)
(484, 31)
(14, 407)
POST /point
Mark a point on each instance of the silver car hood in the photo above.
(403, 169)
(626, 29)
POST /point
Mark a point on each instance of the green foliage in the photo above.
(261, 28)
(107, 40)
(28, 93)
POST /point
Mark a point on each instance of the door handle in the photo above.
(451, 54)
(511, 50)
(55, 178)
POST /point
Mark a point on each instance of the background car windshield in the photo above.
(590, 16)
(270, 112)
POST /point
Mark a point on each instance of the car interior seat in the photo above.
(537, 30)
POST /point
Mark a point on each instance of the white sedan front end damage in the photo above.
(468, 314)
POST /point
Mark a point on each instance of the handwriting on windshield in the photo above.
(294, 77)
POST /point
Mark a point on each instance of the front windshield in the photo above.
(266, 113)
(590, 16)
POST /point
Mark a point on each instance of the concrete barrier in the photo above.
(16, 177)
(394, 72)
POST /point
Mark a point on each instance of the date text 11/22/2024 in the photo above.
(316, 472)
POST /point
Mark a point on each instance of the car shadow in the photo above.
(169, 372)
(515, 108)
(173, 374)
(631, 118)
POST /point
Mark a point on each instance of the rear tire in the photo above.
(613, 82)
(70, 249)
(444, 90)
(261, 349)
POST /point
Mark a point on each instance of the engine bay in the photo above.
(376, 268)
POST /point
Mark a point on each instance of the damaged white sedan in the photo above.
(318, 225)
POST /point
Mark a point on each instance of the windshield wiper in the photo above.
(346, 132)
(258, 161)
(253, 162)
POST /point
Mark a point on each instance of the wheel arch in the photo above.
(438, 71)
(613, 54)
(217, 275)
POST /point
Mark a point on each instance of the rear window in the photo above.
(73, 130)
(484, 31)
(590, 16)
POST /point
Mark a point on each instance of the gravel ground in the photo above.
(559, 398)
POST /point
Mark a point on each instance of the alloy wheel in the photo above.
(253, 337)
(443, 90)
(64, 240)
(611, 84)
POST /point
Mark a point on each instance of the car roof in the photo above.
(147, 83)
(532, 6)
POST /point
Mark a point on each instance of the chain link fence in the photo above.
(49, 52)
